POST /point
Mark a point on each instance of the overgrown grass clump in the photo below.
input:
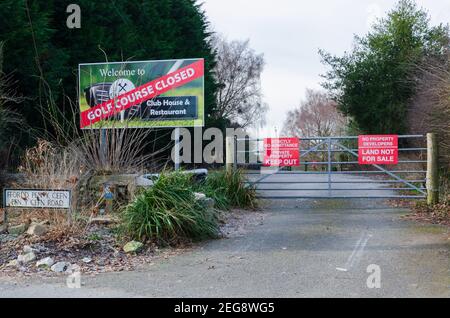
(168, 212)
(228, 189)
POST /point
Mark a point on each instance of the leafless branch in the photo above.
(238, 71)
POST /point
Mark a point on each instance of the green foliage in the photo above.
(44, 54)
(168, 212)
(371, 84)
(94, 237)
(229, 189)
(214, 187)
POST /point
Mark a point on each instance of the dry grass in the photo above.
(66, 157)
(69, 161)
(49, 166)
(430, 110)
(437, 214)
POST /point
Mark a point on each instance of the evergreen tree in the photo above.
(43, 53)
(372, 83)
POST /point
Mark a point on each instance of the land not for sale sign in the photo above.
(281, 152)
(378, 149)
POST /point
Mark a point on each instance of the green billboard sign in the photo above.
(165, 93)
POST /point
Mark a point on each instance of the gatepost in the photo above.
(229, 152)
(432, 169)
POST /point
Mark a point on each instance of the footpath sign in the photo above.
(35, 198)
(281, 152)
(378, 149)
(166, 93)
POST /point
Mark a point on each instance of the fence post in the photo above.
(235, 156)
(5, 212)
(229, 153)
(329, 165)
(432, 169)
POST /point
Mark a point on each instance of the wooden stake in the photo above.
(432, 169)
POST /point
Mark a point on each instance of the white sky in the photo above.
(290, 32)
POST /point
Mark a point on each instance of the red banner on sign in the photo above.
(378, 149)
(281, 152)
(142, 93)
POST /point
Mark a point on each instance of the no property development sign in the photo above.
(378, 149)
(282, 152)
(167, 93)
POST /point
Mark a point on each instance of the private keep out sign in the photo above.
(378, 149)
(282, 152)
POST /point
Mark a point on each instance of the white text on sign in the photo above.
(378, 149)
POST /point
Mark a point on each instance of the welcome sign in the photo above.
(166, 93)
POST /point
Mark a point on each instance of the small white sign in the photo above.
(37, 198)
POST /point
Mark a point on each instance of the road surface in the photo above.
(304, 248)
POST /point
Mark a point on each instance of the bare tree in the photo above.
(238, 72)
(10, 121)
(316, 116)
(429, 110)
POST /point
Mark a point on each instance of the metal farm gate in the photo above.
(329, 168)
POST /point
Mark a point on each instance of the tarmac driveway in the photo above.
(304, 248)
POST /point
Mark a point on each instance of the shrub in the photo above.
(169, 212)
(228, 189)
(214, 187)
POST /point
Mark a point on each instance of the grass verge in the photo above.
(168, 212)
(229, 190)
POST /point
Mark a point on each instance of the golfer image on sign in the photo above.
(102, 92)
(119, 87)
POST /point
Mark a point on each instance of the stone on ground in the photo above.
(60, 267)
(208, 203)
(13, 263)
(28, 249)
(87, 260)
(199, 196)
(133, 247)
(17, 229)
(105, 219)
(144, 182)
(26, 258)
(204, 200)
(37, 229)
(45, 262)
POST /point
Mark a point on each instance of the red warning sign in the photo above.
(378, 149)
(281, 152)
